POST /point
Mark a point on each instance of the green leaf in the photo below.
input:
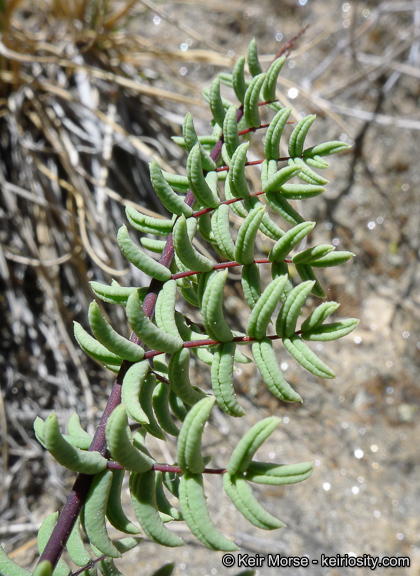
(139, 259)
(269, 88)
(297, 137)
(333, 259)
(306, 358)
(148, 224)
(289, 240)
(309, 255)
(252, 95)
(109, 338)
(202, 191)
(331, 331)
(319, 315)
(254, 65)
(326, 149)
(230, 130)
(189, 440)
(186, 252)
(237, 180)
(278, 474)
(249, 444)
(275, 131)
(169, 198)
(238, 79)
(216, 104)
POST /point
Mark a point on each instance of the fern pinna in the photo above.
(157, 394)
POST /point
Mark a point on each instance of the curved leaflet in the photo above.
(94, 520)
(272, 375)
(186, 252)
(169, 198)
(300, 191)
(325, 149)
(260, 316)
(120, 446)
(143, 496)
(277, 181)
(162, 502)
(333, 259)
(311, 254)
(68, 456)
(251, 284)
(278, 474)
(189, 441)
(331, 331)
(109, 338)
(230, 130)
(297, 137)
(252, 95)
(307, 174)
(191, 139)
(130, 391)
(74, 428)
(114, 510)
(76, 548)
(269, 87)
(177, 406)
(249, 444)
(254, 65)
(153, 245)
(267, 226)
(216, 102)
(245, 241)
(237, 180)
(288, 241)
(140, 259)
(222, 379)
(287, 318)
(319, 315)
(148, 332)
(146, 402)
(161, 409)
(114, 294)
(165, 309)
(282, 207)
(242, 497)
(178, 373)
(274, 132)
(148, 224)
(221, 232)
(94, 349)
(212, 311)
(306, 273)
(306, 358)
(195, 513)
(10, 568)
(202, 191)
(238, 79)
(178, 182)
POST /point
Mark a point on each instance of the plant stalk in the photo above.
(82, 484)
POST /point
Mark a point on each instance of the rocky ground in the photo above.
(357, 68)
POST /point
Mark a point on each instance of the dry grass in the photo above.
(85, 102)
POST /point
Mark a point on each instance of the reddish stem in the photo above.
(224, 265)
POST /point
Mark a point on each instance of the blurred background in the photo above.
(90, 91)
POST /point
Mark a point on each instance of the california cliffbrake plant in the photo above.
(158, 395)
